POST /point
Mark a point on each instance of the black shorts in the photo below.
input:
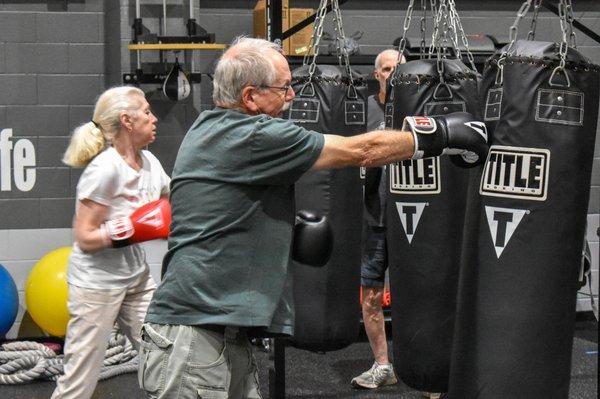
(374, 260)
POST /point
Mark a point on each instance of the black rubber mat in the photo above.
(313, 376)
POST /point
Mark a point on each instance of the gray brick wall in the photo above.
(41, 120)
(18, 89)
(36, 58)
(51, 70)
(2, 59)
(68, 27)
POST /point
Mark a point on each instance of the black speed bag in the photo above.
(177, 86)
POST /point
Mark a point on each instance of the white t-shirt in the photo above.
(109, 180)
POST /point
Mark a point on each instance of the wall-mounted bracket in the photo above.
(139, 77)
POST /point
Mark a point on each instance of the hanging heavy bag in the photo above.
(177, 86)
(326, 299)
(329, 100)
(425, 213)
(490, 92)
(522, 249)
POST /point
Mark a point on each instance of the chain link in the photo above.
(434, 33)
(338, 29)
(407, 18)
(337, 15)
(563, 44)
(340, 42)
(423, 28)
(444, 24)
(569, 14)
(315, 40)
(440, 19)
(514, 29)
(311, 44)
(512, 36)
(452, 30)
(441, 46)
(402, 43)
(536, 10)
(565, 14)
(445, 31)
(463, 36)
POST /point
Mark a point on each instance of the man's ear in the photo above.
(248, 99)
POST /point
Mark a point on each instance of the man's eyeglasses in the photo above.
(284, 89)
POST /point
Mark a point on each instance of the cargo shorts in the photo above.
(211, 361)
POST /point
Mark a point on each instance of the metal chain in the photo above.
(565, 13)
(337, 39)
(512, 36)
(423, 28)
(536, 10)
(439, 19)
(444, 24)
(463, 36)
(563, 44)
(514, 29)
(311, 42)
(312, 38)
(337, 15)
(569, 14)
(317, 32)
(316, 39)
(436, 23)
(452, 31)
(407, 18)
(442, 13)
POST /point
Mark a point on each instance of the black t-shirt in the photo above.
(375, 178)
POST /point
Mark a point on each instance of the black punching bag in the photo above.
(490, 92)
(326, 299)
(425, 213)
(522, 249)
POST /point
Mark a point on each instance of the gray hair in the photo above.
(390, 51)
(244, 63)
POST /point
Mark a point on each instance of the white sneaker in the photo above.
(377, 376)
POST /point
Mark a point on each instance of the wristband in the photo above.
(120, 230)
(423, 129)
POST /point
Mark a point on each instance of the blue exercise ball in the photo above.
(9, 301)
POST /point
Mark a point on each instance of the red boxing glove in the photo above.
(149, 222)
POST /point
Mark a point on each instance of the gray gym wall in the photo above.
(56, 56)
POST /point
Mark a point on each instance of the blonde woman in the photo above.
(109, 279)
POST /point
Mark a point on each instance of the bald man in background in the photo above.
(374, 258)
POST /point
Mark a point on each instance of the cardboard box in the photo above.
(297, 44)
(260, 21)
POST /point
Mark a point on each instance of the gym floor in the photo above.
(314, 376)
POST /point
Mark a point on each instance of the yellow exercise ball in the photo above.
(46, 292)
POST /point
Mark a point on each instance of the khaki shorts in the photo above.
(190, 362)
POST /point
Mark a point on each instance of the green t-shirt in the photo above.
(232, 199)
